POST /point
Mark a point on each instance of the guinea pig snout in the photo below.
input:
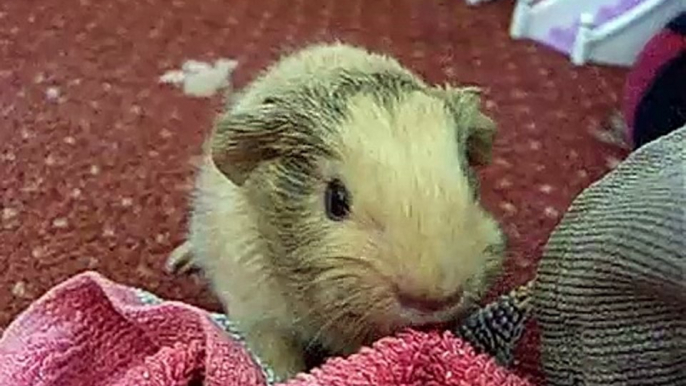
(427, 304)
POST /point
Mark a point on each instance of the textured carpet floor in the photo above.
(95, 155)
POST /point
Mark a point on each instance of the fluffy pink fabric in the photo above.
(90, 331)
(412, 359)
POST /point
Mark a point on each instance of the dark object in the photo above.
(337, 201)
(655, 91)
(495, 329)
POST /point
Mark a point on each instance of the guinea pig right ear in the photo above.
(240, 143)
(482, 131)
(475, 129)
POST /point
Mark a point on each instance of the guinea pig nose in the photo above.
(428, 304)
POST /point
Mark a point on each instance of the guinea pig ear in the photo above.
(475, 129)
(480, 139)
(240, 143)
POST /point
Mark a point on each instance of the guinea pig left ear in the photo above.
(476, 130)
(240, 144)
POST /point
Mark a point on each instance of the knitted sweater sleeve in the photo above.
(610, 294)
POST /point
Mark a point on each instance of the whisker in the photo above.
(338, 313)
(360, 331)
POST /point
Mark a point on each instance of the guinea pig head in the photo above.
(371, 217)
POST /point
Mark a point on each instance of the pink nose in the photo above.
(428, 304)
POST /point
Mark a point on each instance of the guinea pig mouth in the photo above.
(437, 321)
(432, 326)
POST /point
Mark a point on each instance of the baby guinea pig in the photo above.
(336, 204)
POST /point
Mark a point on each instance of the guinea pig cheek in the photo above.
(354, 281)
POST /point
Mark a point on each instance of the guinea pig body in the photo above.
(336, 204)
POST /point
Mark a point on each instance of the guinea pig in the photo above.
(337, 203)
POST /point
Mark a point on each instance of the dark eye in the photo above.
(337, 200)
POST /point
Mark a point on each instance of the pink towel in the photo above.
(412, 359)
(90, 331)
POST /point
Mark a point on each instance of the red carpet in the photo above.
(95, 172)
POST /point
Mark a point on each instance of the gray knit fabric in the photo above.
(496, 328)
(610, 295)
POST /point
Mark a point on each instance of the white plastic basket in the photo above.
(610, 32)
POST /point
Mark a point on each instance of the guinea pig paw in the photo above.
(180, 261)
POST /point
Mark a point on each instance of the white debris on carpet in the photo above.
(201, 79)
(52, 93)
